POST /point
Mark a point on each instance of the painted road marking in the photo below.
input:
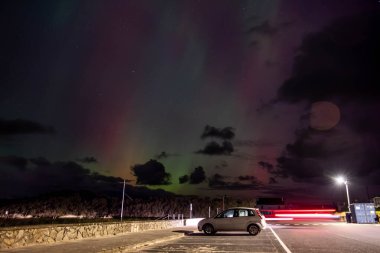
(280, 241)
(321, 224)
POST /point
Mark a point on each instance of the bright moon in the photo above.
(324, 115)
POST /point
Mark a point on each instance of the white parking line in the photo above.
(281, 242)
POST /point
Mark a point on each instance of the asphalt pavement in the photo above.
(288, 237)
(310, 237)
(112, 244)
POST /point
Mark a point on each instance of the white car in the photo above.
(234, 219)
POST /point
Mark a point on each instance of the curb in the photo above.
(132, 247)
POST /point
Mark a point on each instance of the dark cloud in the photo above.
(272, 180)
(23, 177)
(197, 176)
(214, 148)
(254, 143)
(340, 61)
(164, 155)
(220, 182)
(266, 165)
(184, 179)
(317, 155)
(247, 178)
(27, 177)
(221, 165)
(254, 43)
(338, 65)
(14, 161)
(40, 161)
(313, 144)
(88, 159)
(265, 28)
(226, 133)
(20, 126)
(151, 173)
(216, 181)
(275, 171)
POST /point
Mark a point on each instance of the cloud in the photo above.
(24, 177)
(151, 173)
(214, 148)
(275, 171)
(14, 161)
(337, 65)
(88, 159)
(254, 143)
(183, 179)
(27, 177)
(220, 182)
(40, 161)
(164, 155)
(338, 61)
(266, 165)
(316, 155)
(272, 180)
(226, 133)
(263, 29)
(221, 165)
(20, 126)
(197, 176)
(247, 178)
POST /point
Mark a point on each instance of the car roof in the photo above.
(240, 207)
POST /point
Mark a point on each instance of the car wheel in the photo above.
(253, 229)
(208, 229)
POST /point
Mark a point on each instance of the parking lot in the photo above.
(291, 237)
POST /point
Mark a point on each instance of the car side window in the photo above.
(251, 213)
(228, 214)
(220, 215)
(243, 213)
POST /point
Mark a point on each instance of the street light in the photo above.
(122, 202)
(223, 197)
(342, 180)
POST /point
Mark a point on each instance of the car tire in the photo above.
(253, 229)
(208, 229)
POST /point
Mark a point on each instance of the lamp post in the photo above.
(223, 197)
(122, 202)
(342, 180)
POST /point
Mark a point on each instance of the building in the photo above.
(270, 203)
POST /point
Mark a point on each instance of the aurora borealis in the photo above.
(112, 85)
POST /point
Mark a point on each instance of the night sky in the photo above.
(244, 98)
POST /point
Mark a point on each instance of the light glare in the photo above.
(340, 180)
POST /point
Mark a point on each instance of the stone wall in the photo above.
(30, 235)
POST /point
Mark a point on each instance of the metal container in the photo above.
(363, 213)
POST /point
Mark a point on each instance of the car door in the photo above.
(225, 220)
(241, 220)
